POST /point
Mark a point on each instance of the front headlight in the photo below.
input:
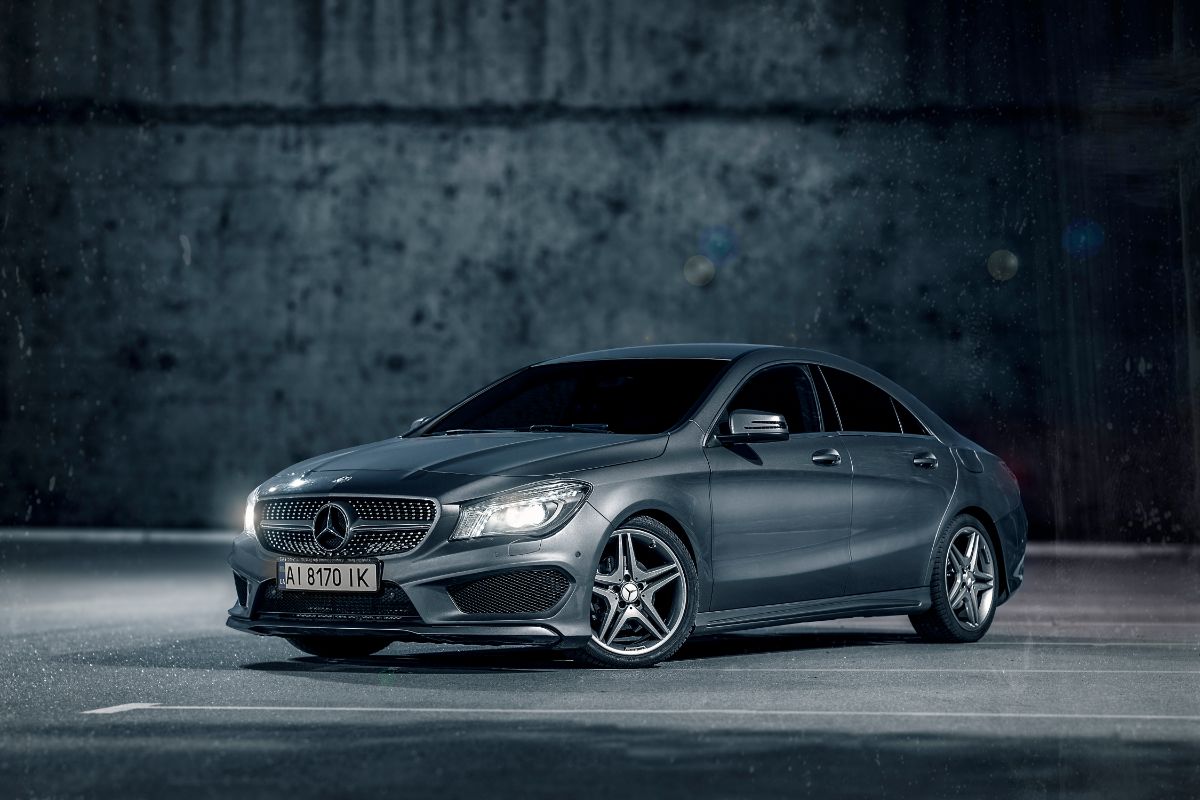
(535, 511)
(248, 520)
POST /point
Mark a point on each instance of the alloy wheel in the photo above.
(640, 593)
(970, 577)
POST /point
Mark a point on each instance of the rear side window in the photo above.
(786, 390)
(861, 405)
(908, 422)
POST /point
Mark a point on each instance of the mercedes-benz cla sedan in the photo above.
(616, 503)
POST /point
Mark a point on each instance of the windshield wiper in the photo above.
(457, 431)
(585, 427)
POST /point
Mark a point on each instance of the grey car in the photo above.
(615, 503)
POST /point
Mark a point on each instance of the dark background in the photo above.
(234, 234)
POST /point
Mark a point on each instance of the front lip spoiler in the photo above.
(401, 632)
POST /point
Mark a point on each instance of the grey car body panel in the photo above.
(853, 540)
(673, 486)
(781, 524)
(898, 508)
(877, 604)
(501, 453)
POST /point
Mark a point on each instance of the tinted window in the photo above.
(781, 390)
(645, 395)
(828, 410)
(861, 405)
(908, 422)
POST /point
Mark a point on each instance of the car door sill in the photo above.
(899, 601)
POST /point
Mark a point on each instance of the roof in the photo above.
(721, 350)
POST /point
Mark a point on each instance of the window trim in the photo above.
(903, 432)
(832, 398)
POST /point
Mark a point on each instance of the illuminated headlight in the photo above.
(248, 520)
(536, 511)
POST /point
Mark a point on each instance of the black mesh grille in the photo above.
(281, 524)
(390, 604)
(528, 591)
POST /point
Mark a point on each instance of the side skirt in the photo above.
(876, 604)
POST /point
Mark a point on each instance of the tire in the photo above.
(964, 585)
(339, 646)
(658, 620)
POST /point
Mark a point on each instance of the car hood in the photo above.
(507, 454)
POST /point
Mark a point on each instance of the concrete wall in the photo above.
(235, 234)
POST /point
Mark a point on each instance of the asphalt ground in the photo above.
(118, 678)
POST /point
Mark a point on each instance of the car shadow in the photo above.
(716, 646)
(539, 659)
(453, 662)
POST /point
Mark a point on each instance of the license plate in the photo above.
(311, 577)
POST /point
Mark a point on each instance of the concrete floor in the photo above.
(1088, 685)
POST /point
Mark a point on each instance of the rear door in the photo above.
(781, 521)
(903, 482)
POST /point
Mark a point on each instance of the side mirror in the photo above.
(747, 426)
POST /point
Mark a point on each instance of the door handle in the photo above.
(925, 460)
(827, 458)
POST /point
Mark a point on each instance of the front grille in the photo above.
(394, 509)
(528, 591)
(284, 525)
(293, 509)
(390, 604)
(362, 542)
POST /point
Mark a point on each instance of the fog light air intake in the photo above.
(526, 591)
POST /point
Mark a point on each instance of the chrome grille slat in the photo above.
(382, 525)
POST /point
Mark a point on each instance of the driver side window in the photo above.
(786, 390)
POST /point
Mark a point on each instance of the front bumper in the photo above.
(409, 632)
(427, 572)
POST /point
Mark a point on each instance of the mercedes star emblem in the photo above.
(331, 526)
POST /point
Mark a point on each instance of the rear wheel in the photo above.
(643, 597)
(963, 587)
(339, 646)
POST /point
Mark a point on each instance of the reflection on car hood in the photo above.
(517, 454)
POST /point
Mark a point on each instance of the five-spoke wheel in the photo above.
(642, 605)
(964, 584)
(970, 577)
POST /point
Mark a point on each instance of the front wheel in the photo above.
(644, 597)
(339, 646)
(963, 586)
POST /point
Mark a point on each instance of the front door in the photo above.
(781, 510)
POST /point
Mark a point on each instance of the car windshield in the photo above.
(645, 395)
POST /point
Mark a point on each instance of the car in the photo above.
(616, 503)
